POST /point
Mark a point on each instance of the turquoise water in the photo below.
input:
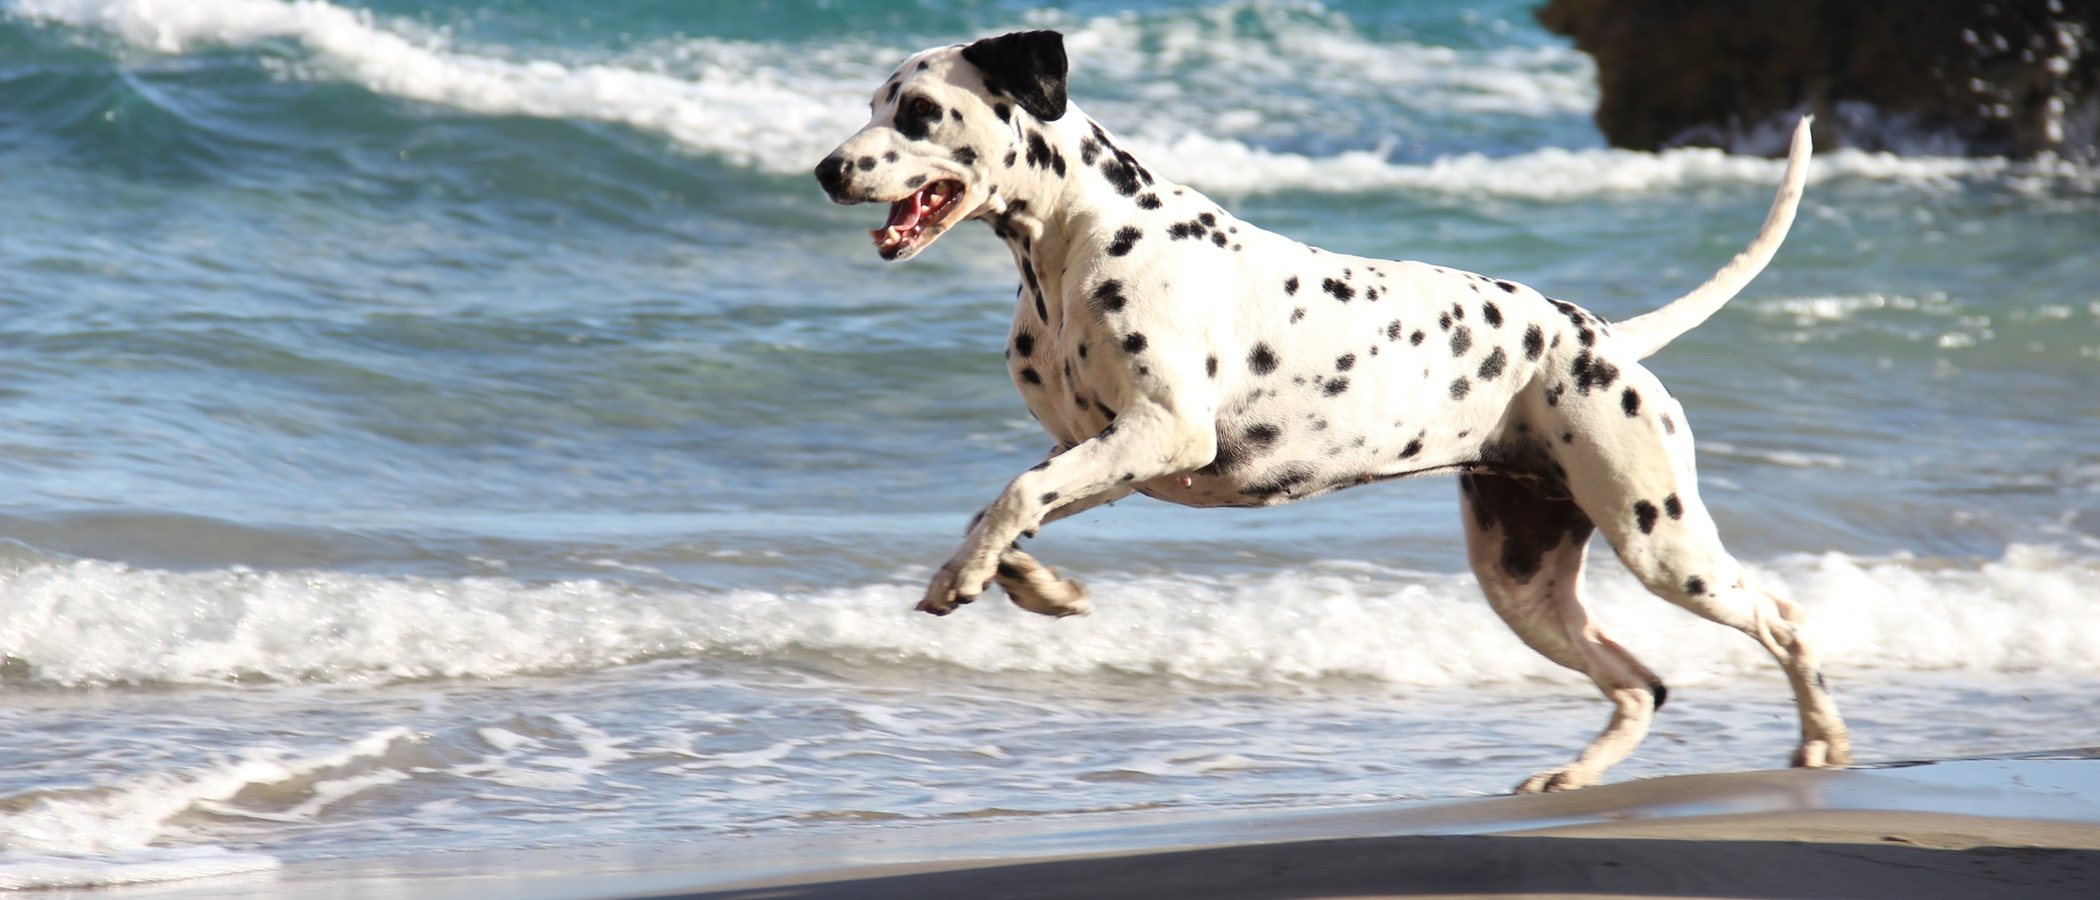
(472, 415)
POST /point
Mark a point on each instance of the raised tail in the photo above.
(1646, 333)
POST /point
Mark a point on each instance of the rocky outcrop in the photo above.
(2015, 78)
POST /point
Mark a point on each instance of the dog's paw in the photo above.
(1046, 594)
(1559, 778)
(1822, 754)
(946, 592)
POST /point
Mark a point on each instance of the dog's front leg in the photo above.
(1147, 441)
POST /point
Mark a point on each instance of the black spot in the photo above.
(1024, 343)
(1262, 360)
(1034, 468)
(1108, 296)
(1460, 387)
(1443, 321)
(1029, 375)
(891, 156)
(1181, 230)
(1511, 288)
(1644, 515)
(1345, 362)
(1695, 585)
(1416, 338)
(1089, 151)
(1458, 312)
(1574, 313)
(1392, 330)
(1081, 402)
(1567, 437)
(892, 96)
(1129, 476)
(1049, 497)
(1133, 343)
(1491, 367)
(1492, 315)
(1126, 237)
(1669, 424)
(1631, 403)
(1263, 434)
(1660, 692)
(1003, 111)
(1219, 238)
(1672, 507)
(1534, 342)
(964, 155)
(1340, 291)
(1589, 371)
(1121, 175)
(1057, 162)
(1038, 150)
(1148, 201)
(1082, 352)
(1413, 447)
(955, 114)
(1297, 314)
(1461, 341)
(1028, 276)
(914, 181)
(1336, 386)
(1290, 286)
(867, 163)
(1210, 366)
(1587, 337)
(1041, 312)
(1280, 481)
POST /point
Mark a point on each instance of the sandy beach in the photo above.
(1998, 827)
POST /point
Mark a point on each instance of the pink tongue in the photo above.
(905, 213)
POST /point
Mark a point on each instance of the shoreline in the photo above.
(2028, 824)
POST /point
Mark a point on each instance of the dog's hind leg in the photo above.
(1637, 481)
(1528, 551)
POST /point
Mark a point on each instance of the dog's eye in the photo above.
(921, 108)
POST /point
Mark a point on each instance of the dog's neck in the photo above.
(1043, 215)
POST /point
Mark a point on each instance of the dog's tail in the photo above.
(1646, 333)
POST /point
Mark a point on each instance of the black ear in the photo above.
(1028, 66)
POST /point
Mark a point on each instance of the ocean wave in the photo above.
(1203, 97)
(91, 623)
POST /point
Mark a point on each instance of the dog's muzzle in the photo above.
(833, 173)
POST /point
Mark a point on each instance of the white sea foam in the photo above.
(97, 623)
(777, 107)
(126, 833)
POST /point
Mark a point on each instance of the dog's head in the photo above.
(936, 145)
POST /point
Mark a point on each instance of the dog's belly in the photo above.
(1279, 453)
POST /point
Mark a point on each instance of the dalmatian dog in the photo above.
(1176, 351)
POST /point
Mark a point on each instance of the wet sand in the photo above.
(2000, 827)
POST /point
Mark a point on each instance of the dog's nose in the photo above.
(831, 173)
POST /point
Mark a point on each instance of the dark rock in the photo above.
(2007, 78)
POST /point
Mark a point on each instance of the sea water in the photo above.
(465, 425)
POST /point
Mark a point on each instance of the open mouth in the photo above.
(913, 216)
